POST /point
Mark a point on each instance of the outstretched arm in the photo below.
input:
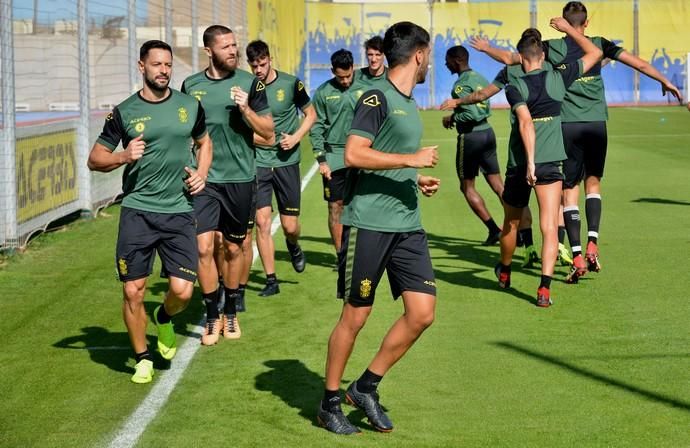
(592, 54)
(648, 69)
(506, 57)
(473, 98)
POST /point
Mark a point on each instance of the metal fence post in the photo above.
(636, 49)
(195, 36)
(8, 172)
(84, 175)
(169, 23)
(132, 44)
(533, 13)
(215, 11)
(432, 78)
(307, 58)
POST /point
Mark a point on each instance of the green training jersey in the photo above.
(334, 111)
(542, 91)
(385, 200)
(155, 183)
(471, 117)
(233, 138)
(363, 80)
(586, 99)
(286, 94)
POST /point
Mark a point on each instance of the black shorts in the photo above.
(252, 210)
(366, 253)
(172, 235)
(585, 145)
(285, 181)
(225, 207)
(516, 190)
(476, 150)
(334, 189)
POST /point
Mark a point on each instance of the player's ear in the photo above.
(586, 24)
(208, 51)
(140, 63)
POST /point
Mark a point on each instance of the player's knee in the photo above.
(423, 320)
(183, 290)
(134, 292)
(232, 250)
(206, 249)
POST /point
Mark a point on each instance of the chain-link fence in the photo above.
(65, 64)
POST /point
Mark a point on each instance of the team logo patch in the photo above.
(182, 115)
(139, 127)
(561, 67)
(365, 288)
(300, 85)
(372, 100)
(260, 86)
(280, 95)
(122, 266)
(198, 97)
(458, 89)
(109, 117)
(327, 192)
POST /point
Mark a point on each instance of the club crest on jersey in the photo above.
(139, 127)
(365, 288)
(260, 86)
(122, 266)
(280, 95)
(372, 100)
(182, 115)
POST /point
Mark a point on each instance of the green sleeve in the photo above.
(318, 130)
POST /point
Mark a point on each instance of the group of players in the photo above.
(366, 132)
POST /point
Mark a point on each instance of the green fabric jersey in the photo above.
(285, 95)
(385, 200)
(543, 92)
(586, 99)
(471, 117)
(363, 80)
(155, 183)
(334, 111)
(233, 138)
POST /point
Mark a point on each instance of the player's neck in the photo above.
(403, 77)
(272, 75)
(152, 95)
(214, 72)
(378, 72)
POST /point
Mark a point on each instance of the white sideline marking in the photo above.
(650, 135)
(144, 414)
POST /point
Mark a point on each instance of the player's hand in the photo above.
(428, 185)
(287, 141)
(447, 122)
(531, 176)
(325, 170)
(240, 97)
(559, 24)
(673, 90)
(448, 104)
(195, 183)
(135, 149)
(426, 157)
(480, 43)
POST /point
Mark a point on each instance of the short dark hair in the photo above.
(257, 49)
(212, 31)
(575, 13)
(458, 52)
(375, 43)
(402, 40)
(150, 45)
(530, 46)
(532, 32)
(342, 59)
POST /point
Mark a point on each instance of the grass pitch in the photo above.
(606, 365)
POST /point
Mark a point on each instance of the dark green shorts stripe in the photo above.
(349, 260)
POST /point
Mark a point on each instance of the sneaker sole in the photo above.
(352, 403)
(323, 425)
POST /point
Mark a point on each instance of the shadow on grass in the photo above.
(291, 381)
(661, 201)
(650, 395)
(111, 349)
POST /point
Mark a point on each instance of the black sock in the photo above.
(271, 278)
(593, 213)
(143, 355)
(526, 235)
(292, 248)
(242, 289)
(231, 301)
(331, 399)
(368, 382)
(571, 216)
(561, 234)
(491, 226)
(545, 282)
(504, 269)
(211, 302)
(220, 281)
(162, 317)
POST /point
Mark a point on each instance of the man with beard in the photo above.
(334, 110)
(236, 108)
(155, 125)
(278, 163)
(384, 231)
